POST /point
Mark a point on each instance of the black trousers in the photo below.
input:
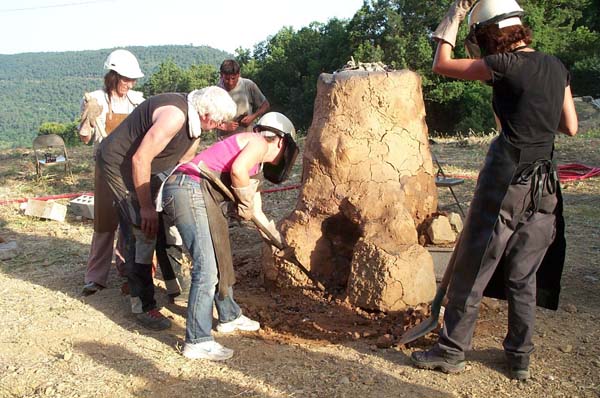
(520, 239)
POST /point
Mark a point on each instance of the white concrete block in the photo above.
(46, 209)
(83, 206)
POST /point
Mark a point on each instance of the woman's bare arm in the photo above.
(568, 118)
(466, 69)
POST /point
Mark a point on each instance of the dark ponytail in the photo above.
(494, 40)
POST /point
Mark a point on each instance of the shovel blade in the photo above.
(428, 324)
(419, 331)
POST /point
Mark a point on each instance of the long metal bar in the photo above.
(210, 175)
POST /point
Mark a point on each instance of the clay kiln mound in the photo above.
(368, 184)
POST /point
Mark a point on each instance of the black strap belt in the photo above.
(543, 176)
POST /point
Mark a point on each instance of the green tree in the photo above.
(199, 76)
(586, 76)
(286, 67)
(171, 78)
(68, 131)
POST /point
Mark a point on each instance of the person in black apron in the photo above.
(512, 245)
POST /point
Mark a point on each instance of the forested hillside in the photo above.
(47, 87)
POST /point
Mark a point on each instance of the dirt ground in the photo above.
(56, 343)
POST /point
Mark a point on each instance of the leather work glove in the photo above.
(262, 222)
(245, 199)
(90, 112)
(448, 28)
(270, 226)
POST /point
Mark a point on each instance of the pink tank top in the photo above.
(218, 157)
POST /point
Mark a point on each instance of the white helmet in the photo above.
(124, 63)
(487, 12)
(503, 12)
(275, 123)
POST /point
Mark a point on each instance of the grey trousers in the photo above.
(520, 239)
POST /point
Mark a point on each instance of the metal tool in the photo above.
(273, 240)
(431, 323)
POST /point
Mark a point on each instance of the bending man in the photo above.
(147, 145)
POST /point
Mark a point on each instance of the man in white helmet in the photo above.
(193, 203)
(160, 133)
(512, 245)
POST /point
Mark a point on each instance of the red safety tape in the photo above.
(566, 172)
(288, 188)
(576, 171)
(74, 195)
(51, 197)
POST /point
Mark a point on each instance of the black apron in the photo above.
(502, 165)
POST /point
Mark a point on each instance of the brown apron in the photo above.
(106, 217)
(113, 120)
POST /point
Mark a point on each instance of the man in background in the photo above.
(251, 102)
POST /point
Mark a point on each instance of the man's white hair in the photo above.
(214, 102)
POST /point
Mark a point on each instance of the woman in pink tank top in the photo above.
(220, 156)
(192, 204)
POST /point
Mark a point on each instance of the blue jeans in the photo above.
(183, 205)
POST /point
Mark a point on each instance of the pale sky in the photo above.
(72, 25)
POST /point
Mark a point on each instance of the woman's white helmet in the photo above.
(486, 13)
(124, 63)
(503, 12)
(275, 123)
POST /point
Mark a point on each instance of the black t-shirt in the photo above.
(529, 89)
(118, 148)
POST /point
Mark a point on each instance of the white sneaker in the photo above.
(207, 350)
(242, 323)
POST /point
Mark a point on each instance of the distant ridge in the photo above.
(47, 86)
